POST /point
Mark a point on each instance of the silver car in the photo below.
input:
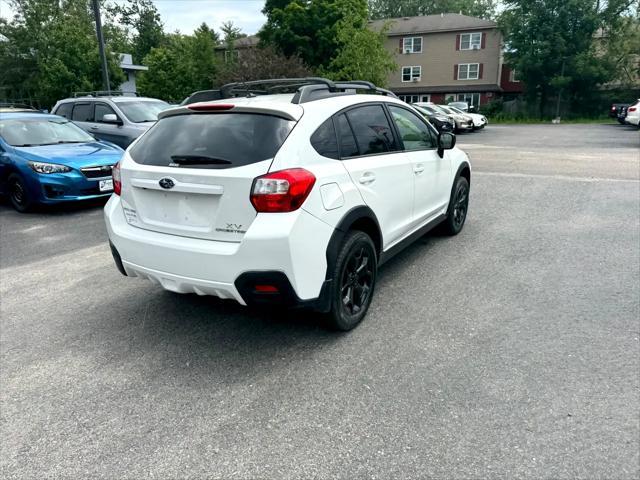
(116, 119)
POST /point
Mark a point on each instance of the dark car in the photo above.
(622, 114)
(443, 123)
(614, 111)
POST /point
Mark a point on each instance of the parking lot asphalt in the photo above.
(509, 351)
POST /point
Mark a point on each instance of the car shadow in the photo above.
(60, 208)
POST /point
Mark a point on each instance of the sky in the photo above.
(186, 15)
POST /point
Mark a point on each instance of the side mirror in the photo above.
(111, 118)
(446, 141)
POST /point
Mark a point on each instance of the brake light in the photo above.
(117, 181)
(632, 109)
(206, 107)
(283, 191)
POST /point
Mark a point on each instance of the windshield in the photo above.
(439, 109)
(218, 140)
(447, 110)
(427, 110)
(140, 112)
(456, 110)
(41, 131)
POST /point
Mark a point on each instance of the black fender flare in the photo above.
(464, 165)
(362, 215)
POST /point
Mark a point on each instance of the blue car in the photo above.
(46, 159)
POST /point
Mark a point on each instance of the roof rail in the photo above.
(105, 93)
(306, 89)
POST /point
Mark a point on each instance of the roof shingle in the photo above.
(446, 22)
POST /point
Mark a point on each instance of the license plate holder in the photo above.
(106, 185)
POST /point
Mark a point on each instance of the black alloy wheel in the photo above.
(353, 281)
(458, 207)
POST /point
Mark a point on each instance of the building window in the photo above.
(470, 41)
(513, 76)
(411, 74)
(415, 98)
(230, 55)
(473, 99)
(468, 71)
(412, 45)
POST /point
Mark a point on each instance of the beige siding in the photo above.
(438, 57)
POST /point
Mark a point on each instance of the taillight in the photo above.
(632, 109)
(283, 191)
(117, 181)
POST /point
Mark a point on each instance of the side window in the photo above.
(372, 130)
(414, 132)
(82, 112)
(64, 110)
(323, 140)
(348, 147)
(103, 109)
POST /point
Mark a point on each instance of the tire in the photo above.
(353, 281)
(458, 207)
(18, 193)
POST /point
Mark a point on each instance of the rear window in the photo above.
(220, 140)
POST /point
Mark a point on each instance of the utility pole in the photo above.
(560, 93)
(103, 56)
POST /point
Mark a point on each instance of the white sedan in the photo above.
(479, 121)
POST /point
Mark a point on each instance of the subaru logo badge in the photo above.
(167, 183)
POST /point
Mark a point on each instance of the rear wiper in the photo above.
(198, 160)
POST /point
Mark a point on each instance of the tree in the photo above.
(309, 28)
(186, 63)
(261, 63)
(230, 33)
(52, 51)
(143, 18)
(410, 8)
(361, 55)
(551, 43)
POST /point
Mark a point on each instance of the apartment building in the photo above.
(447, 57)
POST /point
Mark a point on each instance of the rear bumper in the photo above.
(291, 245)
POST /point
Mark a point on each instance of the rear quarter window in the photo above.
(324, 140)
(217, 140)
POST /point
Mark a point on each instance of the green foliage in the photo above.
(331, 36)
(361, 55)
(552, 44)
(410, 8)
(185, 63)
(143, 18)
(309, 28)
(261, 63)
(52, 51)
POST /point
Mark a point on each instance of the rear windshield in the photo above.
(219, 140)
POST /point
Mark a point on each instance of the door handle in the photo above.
(367, 178)
(93, 128)
(418, 169)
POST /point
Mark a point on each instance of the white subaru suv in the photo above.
(284, 199)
